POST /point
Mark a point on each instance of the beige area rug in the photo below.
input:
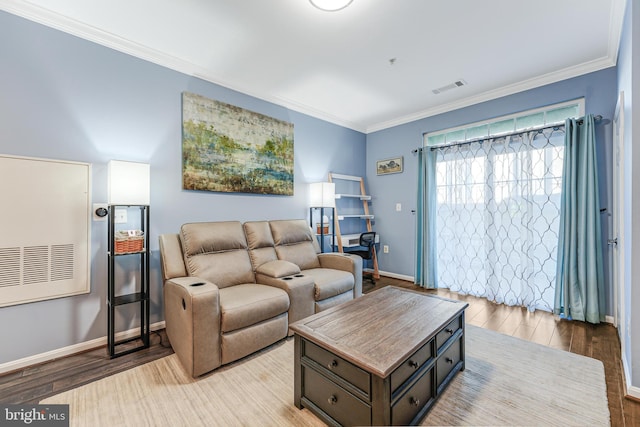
(507, 381)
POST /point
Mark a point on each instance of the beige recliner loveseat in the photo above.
(231, 289)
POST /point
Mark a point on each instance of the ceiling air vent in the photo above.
(450, 86)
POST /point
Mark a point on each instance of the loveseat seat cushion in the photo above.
(329, 282)
(247, 304)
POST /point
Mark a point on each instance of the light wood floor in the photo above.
(597, 341)
(32, 384)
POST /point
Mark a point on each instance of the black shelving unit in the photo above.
(141, 297)
(329, 224)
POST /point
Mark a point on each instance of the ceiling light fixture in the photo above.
(330, 5)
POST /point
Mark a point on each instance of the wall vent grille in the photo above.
(62, 257)
(9, 266)
(457, 83)
(45, 253)
(35, 265)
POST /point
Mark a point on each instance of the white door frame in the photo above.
(617, 230)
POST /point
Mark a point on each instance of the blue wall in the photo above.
(66, 98)
(397, 229)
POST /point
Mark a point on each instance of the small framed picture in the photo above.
(387, 166)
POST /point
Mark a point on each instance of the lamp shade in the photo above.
(129, 183)
(323, 194)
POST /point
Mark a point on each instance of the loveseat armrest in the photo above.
(299, 287)
(278, 269)
(345, 262)
(192, 317)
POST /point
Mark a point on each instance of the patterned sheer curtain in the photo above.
(497, 209)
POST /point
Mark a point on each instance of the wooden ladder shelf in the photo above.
(365, 215)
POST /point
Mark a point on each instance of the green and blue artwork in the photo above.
(229, 149)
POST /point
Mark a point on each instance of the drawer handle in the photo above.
(414, 401)
(449, 331)
(332, 364)
(332, 400)
(413, 364)
(448, 360)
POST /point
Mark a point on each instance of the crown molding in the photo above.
(87, 32)
(93, 34)
(532, 83)
(616, 18)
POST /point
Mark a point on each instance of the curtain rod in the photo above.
(534, 129)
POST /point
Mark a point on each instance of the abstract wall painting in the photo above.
(229, 149)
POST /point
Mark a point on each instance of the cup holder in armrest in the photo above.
(197, 284)
(287, 278)
(299, 275)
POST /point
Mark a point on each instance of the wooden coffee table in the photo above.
(381, 359)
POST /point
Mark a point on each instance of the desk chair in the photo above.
(367, 241)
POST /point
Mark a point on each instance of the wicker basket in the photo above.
(322, 229)
(128, 241)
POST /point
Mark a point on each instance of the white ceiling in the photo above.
(336, 65)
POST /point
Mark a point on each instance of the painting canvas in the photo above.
(229, 149)
(387, 166)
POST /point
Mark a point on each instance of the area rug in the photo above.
(507, 381)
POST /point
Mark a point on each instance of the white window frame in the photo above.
(579, 102)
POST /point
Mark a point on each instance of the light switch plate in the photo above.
(398, 207)
(120, 216)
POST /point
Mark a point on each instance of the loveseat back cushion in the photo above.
(217, 252)
(301, 254)
(260, 242)
(294, 243)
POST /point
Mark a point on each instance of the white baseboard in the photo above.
(393, 275)
(626, 372)
(72, 349)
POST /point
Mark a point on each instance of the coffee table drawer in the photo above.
(411, 365)
(448, 331)
(335, 401)
(346, 370)
(408, 406)
(448, 360)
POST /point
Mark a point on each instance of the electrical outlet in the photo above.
(385, 249)
(398, 207)
(120, 216)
